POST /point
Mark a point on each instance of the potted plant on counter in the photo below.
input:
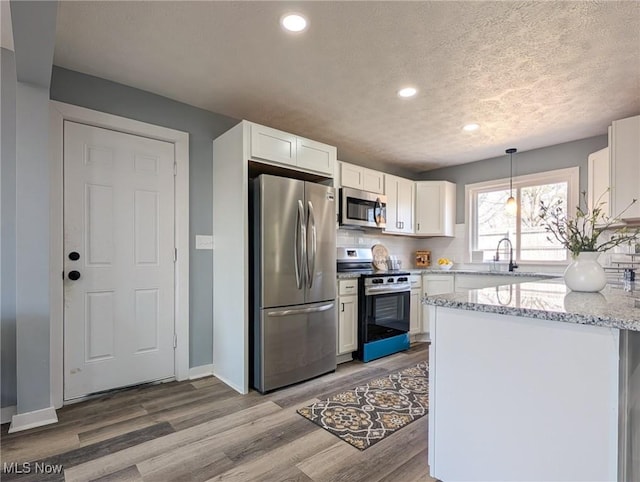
(582, 234)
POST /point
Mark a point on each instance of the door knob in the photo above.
(74, 256)
(74, 275)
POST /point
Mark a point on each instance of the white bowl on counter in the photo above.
(446, 267)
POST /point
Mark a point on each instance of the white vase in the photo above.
(585, 273)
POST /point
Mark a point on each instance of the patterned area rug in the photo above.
(368, 413)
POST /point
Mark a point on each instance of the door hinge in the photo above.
(175, 168)
(175, 254)
(175, 340)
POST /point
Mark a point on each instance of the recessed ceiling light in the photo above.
(293, 22)
(471, 127)
(407, 92)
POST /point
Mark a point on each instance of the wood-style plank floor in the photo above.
(204, 430)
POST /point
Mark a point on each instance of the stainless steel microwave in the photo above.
(362, 208)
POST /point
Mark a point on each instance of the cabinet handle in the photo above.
(342, 306)
(418, 227)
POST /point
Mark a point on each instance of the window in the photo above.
(489, 222)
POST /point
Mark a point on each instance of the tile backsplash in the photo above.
(404, 247)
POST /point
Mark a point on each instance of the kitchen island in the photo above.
(530, 381)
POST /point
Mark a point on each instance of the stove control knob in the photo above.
(390, 280)
(402, 280)
(376, 281)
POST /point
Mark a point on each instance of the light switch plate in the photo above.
(204, 241)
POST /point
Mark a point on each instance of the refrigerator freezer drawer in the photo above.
(297, 343)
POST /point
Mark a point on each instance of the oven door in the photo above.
(361, 208)
(385, 315)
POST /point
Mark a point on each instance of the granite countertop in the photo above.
(614, 307)
(456, 271)
(478, 272)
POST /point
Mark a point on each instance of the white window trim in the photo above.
(572, 174)
(59, 112)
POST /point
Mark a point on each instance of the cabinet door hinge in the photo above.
(175, 254)
(175, 168)
(175, 340)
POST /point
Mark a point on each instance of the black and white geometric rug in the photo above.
(368, 413)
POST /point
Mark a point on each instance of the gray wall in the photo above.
(32, 250)
(8, 228)
(560, 156)
(203, 126)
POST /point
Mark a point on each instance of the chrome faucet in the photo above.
(512, 265)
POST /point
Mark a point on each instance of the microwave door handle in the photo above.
(296, 245)
(377, 212)
(311, 261)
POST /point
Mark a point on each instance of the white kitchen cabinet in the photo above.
(347, 339)
(372, 181)
(435, 208)
(598, 180)
(275, 146)
(400, 204)
(358, 177)
(434, 284)
(316, 156)
(415, 306)
(350, 175)
(624, 151)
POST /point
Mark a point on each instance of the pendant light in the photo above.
(512, 206)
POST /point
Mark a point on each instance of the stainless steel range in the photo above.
(383, 305)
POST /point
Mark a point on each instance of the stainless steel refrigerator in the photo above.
(293, 281)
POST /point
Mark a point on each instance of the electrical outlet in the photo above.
(204, 241)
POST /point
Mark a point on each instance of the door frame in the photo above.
(58, 113)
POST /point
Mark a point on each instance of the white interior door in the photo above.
(119, 222)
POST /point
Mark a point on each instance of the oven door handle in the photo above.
(387, 289)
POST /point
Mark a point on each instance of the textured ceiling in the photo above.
(532, 74)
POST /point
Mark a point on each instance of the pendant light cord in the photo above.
(510, 151)
(511, 175)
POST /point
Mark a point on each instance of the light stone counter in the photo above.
(613, 307)
(420, 271)
(516, 274)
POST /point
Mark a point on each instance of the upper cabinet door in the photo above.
(406, 200)
(316, 156)
(435, 208)
(599, 180)
(351, 176)
(273, 145)
(400, 199)
(391, 191)
(372, 181)
(358, 177)
(624, 145)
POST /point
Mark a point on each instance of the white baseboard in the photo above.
(421, 337)
(37, 418)
(346, 357)
(7, 413)
(201, 371)
(238, 389)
